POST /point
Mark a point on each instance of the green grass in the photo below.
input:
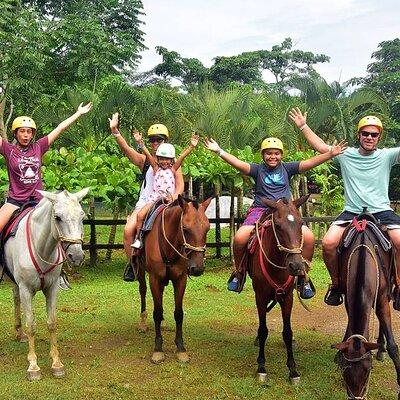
(107, 358)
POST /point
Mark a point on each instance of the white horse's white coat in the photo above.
(57, 218)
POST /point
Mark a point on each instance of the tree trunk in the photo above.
(190, 188)
(201, 191)
(111, 236)
(217, 187)
(93, 239)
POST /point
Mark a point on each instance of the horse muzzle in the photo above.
(195, 267)
(74, 254)
(296, 266)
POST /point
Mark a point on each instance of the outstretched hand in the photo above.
(211, 144)
(297, 117)
(338, 148)
(83, 109)
(137, 136)
(194, 141)
(113, 121)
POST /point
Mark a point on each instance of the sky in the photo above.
(348, 31)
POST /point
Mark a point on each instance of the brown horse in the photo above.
(173, 249)
(276, 260)
(365, 281)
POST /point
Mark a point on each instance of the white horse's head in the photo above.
(67, 226)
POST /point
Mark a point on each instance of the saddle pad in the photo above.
(383, 241)
(152, 215)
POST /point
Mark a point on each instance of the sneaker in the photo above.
(233, 285)
(129, 275)
(333, 296)
(63, 281)
(137, 244)
(307, 292)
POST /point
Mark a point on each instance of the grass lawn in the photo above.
(107, 358)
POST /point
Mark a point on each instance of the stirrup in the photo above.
(129, 274)
(333, 297)
(63, 281)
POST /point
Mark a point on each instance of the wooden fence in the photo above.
(319, 226)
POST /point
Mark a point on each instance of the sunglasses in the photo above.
(372, 134)
(156, 140)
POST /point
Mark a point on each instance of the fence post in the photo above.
(218, 223)
(92, 224)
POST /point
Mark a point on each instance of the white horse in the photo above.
(48, 235)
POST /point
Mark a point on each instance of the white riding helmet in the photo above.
(166, 150)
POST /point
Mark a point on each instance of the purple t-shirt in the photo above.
(24, 169)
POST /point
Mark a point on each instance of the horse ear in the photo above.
(371, 346)
(269, 203)
(206, 203)
(300, 201)
(50, 196)
(81, 194)
(340, 346)
(182, 202)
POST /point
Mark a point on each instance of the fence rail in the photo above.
(319, 225)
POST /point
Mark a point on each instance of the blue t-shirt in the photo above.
(272, 183)
(366, 178)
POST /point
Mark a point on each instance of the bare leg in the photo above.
(129, 233)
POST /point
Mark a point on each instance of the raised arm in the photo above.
(312, 162)
(139, 140)
(240, 165)
(312, 138)
(135, 157)
(194, 141)
(55, 133)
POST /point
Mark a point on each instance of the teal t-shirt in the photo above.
(366, 178)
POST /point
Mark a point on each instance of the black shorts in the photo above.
(387, 217)
(21, 203)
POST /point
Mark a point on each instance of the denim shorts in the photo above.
(387, 217)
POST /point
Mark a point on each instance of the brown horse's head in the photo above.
(287, 228)
(355, 360)
(195, 226)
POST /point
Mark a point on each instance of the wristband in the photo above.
(140, 146)
(116, 134)
(303, 126)
(221, 152)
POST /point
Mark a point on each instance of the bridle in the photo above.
(352, 361)
(286, 250)
(188, 248)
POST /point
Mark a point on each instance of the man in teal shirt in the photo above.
(366, 172)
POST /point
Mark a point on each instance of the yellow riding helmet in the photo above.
(272, 143)
(158, 129)
(370, 120)
(23, 122)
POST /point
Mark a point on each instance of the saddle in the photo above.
(9, 230)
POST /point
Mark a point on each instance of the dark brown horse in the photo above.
(173, 249)
(365, 281)
(276, 260)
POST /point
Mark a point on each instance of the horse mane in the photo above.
(187, 199)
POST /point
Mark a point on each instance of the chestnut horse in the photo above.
(276, 260)
(173, 249)
(365, 263)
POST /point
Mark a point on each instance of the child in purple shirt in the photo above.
(24, 161)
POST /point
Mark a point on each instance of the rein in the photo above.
(185, 244)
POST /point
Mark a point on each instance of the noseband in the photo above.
(188, 248)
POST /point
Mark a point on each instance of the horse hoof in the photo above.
(380, 356)
(294, 380)
(182, 356)
(34, 375)
(262, 377)
(58, 372)
(157, 357)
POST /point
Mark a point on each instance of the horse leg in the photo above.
(262, 335)
(142, 290)
(384, 315)
(20, 334)
(287, 334)
(380, 355)
(157, 290)
(179, 291)
(33, 372)
(57, 367)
